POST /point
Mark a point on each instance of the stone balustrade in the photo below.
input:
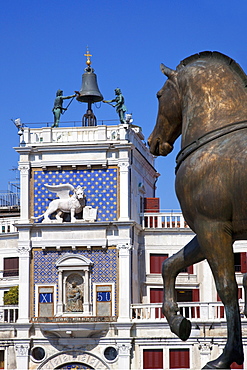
(9, 314)
(163, 220)
(195, 311)
(82, 134)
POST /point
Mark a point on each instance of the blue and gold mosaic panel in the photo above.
(104, 270)
(100, 189)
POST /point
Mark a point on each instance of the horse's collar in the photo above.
(209, 136)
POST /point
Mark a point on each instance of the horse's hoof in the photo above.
(180, 326)
(216, 365)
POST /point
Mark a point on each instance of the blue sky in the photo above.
(42, 49)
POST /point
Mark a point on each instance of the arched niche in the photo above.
(74, 285)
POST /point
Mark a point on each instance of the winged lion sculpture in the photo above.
(66, 203)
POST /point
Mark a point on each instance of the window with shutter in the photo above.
(156, 296)
(188, 270)
(243, 262)
(179, 358)
(11, 266)
(221, 310)
(2, 359)
(153, 359)
(240, 293)
(156, 261)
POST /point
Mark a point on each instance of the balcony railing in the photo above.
(9, 199)
(9, 314)
(195, 311)
(163, 220)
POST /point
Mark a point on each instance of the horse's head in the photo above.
(169, 121)
(79, 192)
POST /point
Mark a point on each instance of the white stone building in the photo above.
(90, 289)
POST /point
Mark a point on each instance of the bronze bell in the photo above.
(89, 92)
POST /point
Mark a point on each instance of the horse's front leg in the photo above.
(171, 267)
(216, 244)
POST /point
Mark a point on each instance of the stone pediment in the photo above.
(73, 261)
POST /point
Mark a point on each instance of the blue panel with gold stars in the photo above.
(100, 188)
(104, 269)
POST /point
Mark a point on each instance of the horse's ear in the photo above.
(166, 70)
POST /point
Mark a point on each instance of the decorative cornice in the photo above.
(65, 163)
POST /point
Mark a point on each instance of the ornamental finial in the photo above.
(88, 55)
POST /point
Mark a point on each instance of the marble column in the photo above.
(124, 355)
(21, 350)
(124, 192)
(60, 293)
(24, 280)
(24, 168)
(124, 281)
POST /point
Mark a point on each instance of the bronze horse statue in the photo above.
(205, 100)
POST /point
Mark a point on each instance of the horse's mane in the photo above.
(218, 56)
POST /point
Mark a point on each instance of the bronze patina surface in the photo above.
(205, 100)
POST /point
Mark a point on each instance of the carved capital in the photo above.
(126, 246)
(205, 347)
(123, 165)
(22, 349)
(124, 349)
(24, 168)
(23, 249)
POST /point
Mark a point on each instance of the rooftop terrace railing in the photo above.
(71, 123)
(163, 220)
(9, 199)
(78, 133)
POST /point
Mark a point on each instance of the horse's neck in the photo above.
(210, 107)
